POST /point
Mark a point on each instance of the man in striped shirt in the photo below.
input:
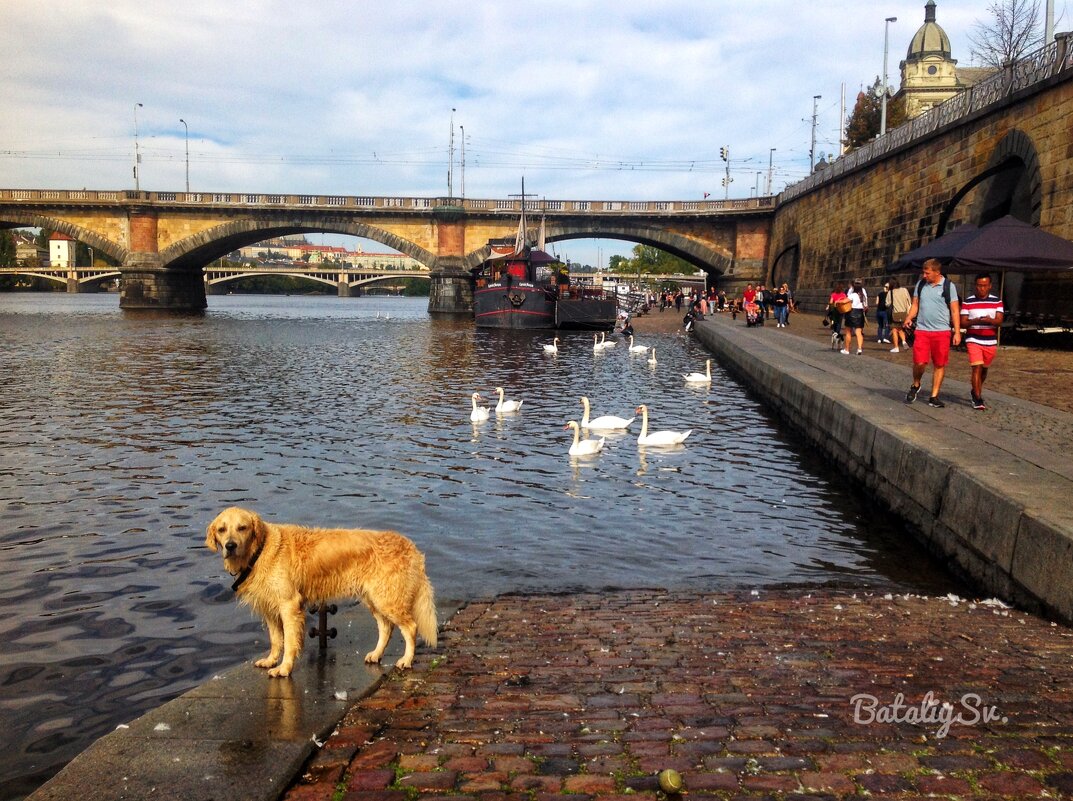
(981, 316)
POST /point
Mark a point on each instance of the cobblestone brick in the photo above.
(752, 700)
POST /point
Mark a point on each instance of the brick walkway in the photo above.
(747, 695)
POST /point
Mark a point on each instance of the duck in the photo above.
(607, 422)
(637, 348)
(479, 413)
(658, 437)
(583, 447)
(553, 347)
(507, 405)
(701, 378)
(652, 357)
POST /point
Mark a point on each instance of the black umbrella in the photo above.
(1007, 244)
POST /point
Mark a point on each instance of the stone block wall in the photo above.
(855, 226)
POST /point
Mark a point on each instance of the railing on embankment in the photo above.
(1032, 71)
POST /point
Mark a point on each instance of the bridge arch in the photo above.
(21, 219)
(701, 255)
(207, 246)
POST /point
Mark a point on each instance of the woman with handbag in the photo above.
(854, 318)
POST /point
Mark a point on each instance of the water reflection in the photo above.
(124, 435)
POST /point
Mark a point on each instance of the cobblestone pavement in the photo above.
(788, 694)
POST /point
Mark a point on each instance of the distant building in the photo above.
(298, 249)
(61, 250)
(929, 74)
(27, 248)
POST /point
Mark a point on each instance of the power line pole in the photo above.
(812, 147)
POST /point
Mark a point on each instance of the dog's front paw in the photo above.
(280, 672)
(372, 658)
(404, 663)
(267, 662)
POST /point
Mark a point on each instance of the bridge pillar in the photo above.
(72, 284)
(451, 287)
(144, 284)
(344, 288)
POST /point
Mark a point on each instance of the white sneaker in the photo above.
(859, 351)
(894, 350)
(844, 352)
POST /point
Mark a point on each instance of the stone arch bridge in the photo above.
(163, 240)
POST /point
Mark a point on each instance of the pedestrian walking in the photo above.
(934, 312)
(898, 303)
(853, 324)
(981, 316)
(883, 314)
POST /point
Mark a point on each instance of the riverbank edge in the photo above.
(1002, 517)
(239, 734)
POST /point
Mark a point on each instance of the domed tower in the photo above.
(929, 74)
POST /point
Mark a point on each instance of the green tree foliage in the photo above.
(7, 248)
(863, 124)
(647, 259)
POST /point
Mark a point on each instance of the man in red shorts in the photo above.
(935, 310)
(981, 316)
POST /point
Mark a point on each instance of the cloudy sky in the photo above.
(587, 99)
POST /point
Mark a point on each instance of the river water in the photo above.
(123, 434)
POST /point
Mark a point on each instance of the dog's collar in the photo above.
(245, 573)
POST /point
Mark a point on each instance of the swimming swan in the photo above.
(607, 422)
(583, 447)
(553, 347)
(652, 356)
(658, 437)
(701, 378)
(479, 413)
(637, 348)
(604, 343)
(506, 405)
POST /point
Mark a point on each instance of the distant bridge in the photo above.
(163, 240)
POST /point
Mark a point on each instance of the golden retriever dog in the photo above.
(281, 569)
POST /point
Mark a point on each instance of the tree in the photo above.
(1013, 29)
(647, 259)
(863, 124)
(7, 248)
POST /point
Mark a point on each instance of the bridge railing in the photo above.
(416, 205)
(1033, 69)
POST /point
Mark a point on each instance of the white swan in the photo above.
(506, 405)
(652, 356)
(604, 343)
(583, 447)
(701, 378)
(607, 422)
(553, 347)
(658, 437)
(596, 346)
(637, 348)
(479, 413)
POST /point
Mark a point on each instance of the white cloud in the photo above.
(590, 98)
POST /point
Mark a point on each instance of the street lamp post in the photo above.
(187, 128)
(812, 147)
(770, 156)
(883, 102)
(462, 129)
(451, 158)
(137, 155)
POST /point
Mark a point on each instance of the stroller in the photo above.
(752, 315)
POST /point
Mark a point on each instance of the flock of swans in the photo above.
(605, 423)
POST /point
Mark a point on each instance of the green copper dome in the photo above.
(930, 39)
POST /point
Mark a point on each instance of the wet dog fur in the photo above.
(288, 567)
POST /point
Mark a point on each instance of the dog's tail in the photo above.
(424, 613)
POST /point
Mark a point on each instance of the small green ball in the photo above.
(670, 781)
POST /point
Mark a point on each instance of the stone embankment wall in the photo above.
(856, 225)
(1003, 520)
